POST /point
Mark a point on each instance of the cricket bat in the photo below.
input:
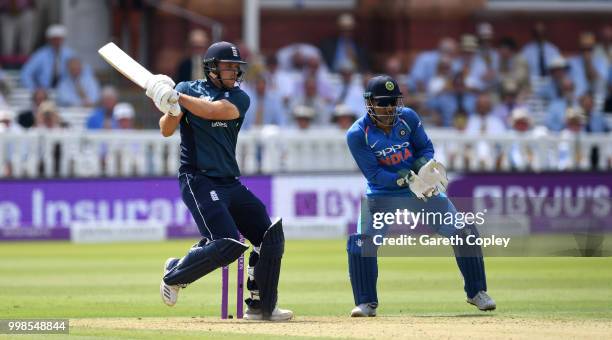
(123, 63)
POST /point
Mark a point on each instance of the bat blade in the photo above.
(123, 63)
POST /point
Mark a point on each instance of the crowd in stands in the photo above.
(477, 84)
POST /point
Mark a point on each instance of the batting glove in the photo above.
(155, 81)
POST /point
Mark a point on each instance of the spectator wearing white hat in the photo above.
(48, 64)
(521, 156)
(123, 113)
(558, 69)
(303, 116)
(343, 117)
(473, 67)
(570, 155)
(7, 123)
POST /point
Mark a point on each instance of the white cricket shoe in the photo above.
(169, 293)
(363, 310)
(483, 301)
(277, 314)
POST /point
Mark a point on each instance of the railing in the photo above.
(271, 150)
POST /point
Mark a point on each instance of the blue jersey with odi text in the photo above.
(207, 145)
(380, 156)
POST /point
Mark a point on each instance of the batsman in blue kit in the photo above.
(209, 113)
(390, 146)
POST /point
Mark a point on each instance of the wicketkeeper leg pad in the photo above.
(471, 264)
(267, 269)
(363, 271)
(203, 259)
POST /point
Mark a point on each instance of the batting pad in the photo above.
(201, 260)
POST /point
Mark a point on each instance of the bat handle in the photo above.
(174, 98)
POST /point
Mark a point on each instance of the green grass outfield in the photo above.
(64, 280)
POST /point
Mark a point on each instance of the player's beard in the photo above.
(385, 116)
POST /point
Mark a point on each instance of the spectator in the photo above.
(344, 48)
(293, 58)
(303, 117)
(48, 64)
(426, 63)
(17, 26)
(487, 53)
(594, 119)
(6, 120)
(456, 100)
(350, 91)
(102, 116)
(589, 70)
(26, 119)
(509, 101)
(47, 117)
(343, 117)
(123, 114)
(191, 67)
(483, 123)
(280, 81)
(473, 68)
(266, 107)
(443, 79)
(47, 120)
(539, 52)
(570, 155)
(557, 108)
(312, 99)
(520, 156)
(552, 87)
(512, 65)
(80, 87)
(315, 69)
(604, 48)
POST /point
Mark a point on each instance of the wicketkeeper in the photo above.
(396, 157)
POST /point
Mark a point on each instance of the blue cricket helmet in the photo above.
(222, 51)
(382, 91)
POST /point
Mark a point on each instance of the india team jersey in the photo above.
(207, 145)
(380, 155)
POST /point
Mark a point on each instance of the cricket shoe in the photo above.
(483, 301)
(363, 310)
(169, 293)
(277, 314)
